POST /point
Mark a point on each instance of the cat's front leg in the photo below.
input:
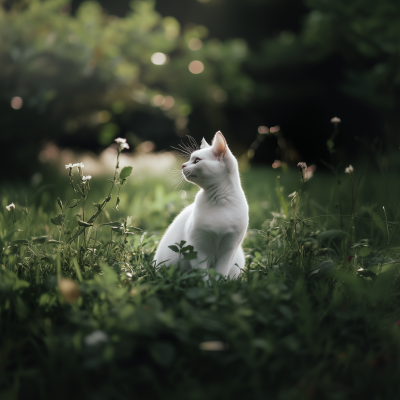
(226, 254)
(202, 261)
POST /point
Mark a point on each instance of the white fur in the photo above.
(216, 223)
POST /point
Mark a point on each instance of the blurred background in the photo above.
(270, 74)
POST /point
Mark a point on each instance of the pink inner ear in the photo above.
(219, 145)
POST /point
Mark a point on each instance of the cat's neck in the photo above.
(222, 192)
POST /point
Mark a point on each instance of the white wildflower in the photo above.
(95, 338)
(349, 169)
(86, 178)
(121, 144)
(302, 165)
(68, 166)
(335, 120)
(11, 206)
(79, 166)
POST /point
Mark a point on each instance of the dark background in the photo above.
(306, 62)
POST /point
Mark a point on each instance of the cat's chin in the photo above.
(190, 178)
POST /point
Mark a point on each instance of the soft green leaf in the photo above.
(190, 256)
(114, 224)
(364, 251)
(59, 202)
(72, 203)
(187, 248)
(57, 220)
(125, 172)
(83, 223)
(174, 248)
(40, 239)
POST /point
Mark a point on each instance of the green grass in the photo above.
(302, 321)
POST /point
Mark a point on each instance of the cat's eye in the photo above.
(197, 160)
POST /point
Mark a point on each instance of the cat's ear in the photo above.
(219, 145)
(204, 144)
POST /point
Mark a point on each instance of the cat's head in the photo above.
(210, 164)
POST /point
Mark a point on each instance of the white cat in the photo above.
(216, 223)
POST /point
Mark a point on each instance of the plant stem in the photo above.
(387, 248)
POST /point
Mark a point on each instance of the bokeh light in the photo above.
(145, 147)
(158, 100)
(172, 27)
(196, 67)
(195, 44)
(263, 129)
(168, 103)
(274, 129)
(16, 103)
(159, 58)
(276, 164)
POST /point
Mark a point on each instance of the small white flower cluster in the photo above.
(122, 143)
(302, 165)
(11, 206)
(335, 120)
(349, 169)
(77, 165)
(86, 178)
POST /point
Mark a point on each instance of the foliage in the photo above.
(173, 336)
(87, 72)
(314, 312)
(347, 47)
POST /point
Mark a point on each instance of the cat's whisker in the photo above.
(178, 179)
(180, 184)
(186, 149)
(193, 142)
(175, 171)
(183, 152)
(189, 147)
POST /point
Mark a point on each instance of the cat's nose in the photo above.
(183, 166)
